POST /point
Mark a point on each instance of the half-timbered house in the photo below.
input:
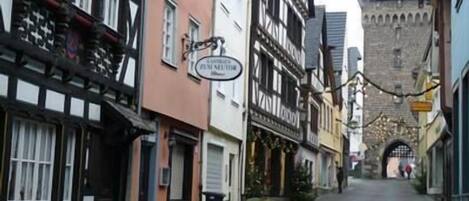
(68, 98)
(276, 65)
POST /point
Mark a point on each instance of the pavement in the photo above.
(376, 190)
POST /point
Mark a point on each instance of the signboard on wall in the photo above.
(218, 68)
(421, 106)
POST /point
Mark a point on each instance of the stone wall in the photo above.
(396, 34)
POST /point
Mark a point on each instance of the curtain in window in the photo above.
(32, 158)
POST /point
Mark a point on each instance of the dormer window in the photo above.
(85, 5)
(111, 8)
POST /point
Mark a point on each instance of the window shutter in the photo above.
(214, 168)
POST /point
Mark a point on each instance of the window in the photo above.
(32, 159)
(458, 5)
(311, 11)
(295, 28)
(111, 10)
(314, 119)
(273, 8)
(398, 90)
(234, 94)
(68, 180)
(194, 36)
(83, 4)
(398, 32)
(169, 29)
(289, 93)
(397, 58)
(267, 73)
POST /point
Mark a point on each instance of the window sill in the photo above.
(234, 103)
(169, 64)
(220, 94)
(194, 78)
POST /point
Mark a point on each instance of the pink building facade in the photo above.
(166, 165)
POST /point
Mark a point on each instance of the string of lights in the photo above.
(357, 75)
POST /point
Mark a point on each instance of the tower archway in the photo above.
(396, 155)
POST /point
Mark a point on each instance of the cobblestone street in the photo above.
(377, 190)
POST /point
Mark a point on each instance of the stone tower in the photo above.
(396, 34)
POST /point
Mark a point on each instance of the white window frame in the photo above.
(107, 18)
(170, 44)
(29, 140)
(194, 25)
(69, 163)
(86, 7)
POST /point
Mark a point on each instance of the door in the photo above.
(214, 169)
(177, 173)
(147, 171)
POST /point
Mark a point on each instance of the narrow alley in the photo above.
(377, 190)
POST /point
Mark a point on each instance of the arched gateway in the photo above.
(396, 156)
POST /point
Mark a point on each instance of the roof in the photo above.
(131, 117)
(336, 27)
(353, 57)
(314, 27)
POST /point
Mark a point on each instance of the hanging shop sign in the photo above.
(218, 68)
(421, 106)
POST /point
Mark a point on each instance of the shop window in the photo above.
(111, 11)
(32, 160)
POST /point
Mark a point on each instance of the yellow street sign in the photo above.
(421, 106)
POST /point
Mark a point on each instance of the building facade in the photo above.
(312, 86)
(397, 33)
(223, 143)
(460, 86)
(276, 65)
(431, 136)
(355, 114)
(69, 97)
(175, 96)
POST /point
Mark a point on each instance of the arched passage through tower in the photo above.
(397, 153)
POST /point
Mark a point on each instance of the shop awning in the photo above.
(130, 117)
